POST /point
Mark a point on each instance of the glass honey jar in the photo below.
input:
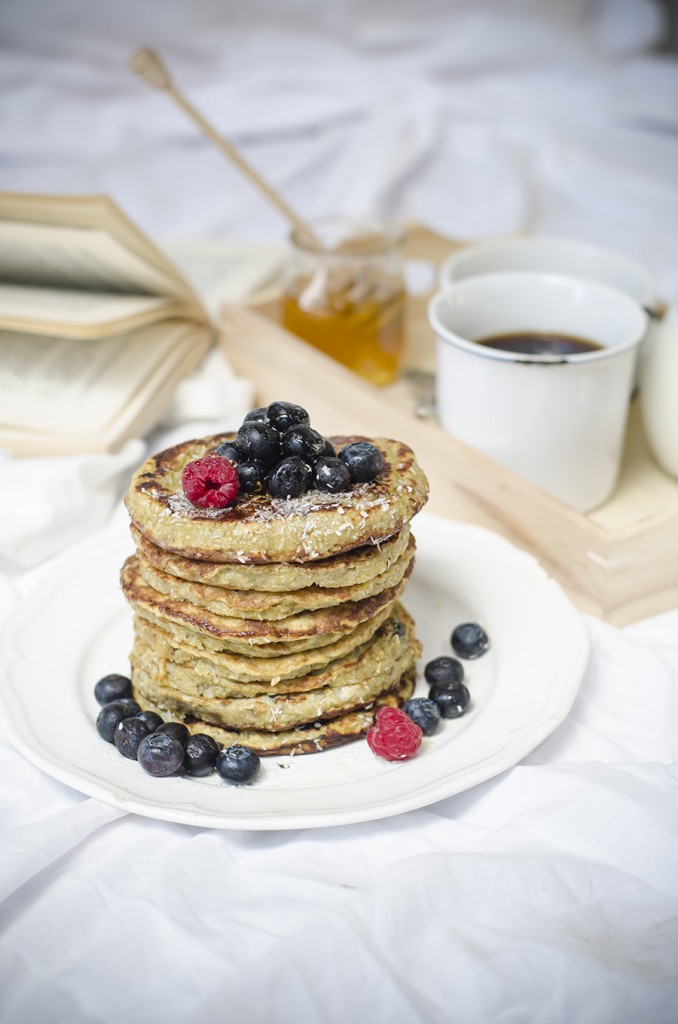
(345, 294)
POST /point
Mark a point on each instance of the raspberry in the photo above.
(394, 736)
(211, 482)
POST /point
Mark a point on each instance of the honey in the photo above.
(366, 335)
(348, 299)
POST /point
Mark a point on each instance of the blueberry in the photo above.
(109, 718)
(160, 754)
(329, 450)
(258, 442)
(200, 754)
(132, 707)
(444, 671)
(453, 701)
(252, 476)
(152, 720)
(304, 442)
(238, 764)
(175, 729)
(470, 640)
(363, 460)
(282, 415)
(128, 735)
(289, 479)
(331, 474)
(112, 687)
(228, 450)
(258, 415)
(424, 712)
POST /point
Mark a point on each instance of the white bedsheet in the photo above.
(548, 894)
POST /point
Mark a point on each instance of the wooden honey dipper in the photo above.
(148, 65)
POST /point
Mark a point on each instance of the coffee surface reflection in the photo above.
(536, 343)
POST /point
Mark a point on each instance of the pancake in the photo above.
(177, 643)
(271, 652)
(305, 628)
(259, 528)
(376, 672)
(200, 678)
(273, 622)
(254, 604)
(309, 739)
(345, 570)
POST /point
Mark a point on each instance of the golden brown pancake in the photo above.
(259, 528)
(305, 739)
(209, 676)
(306, 628)
(273, 622)
(345, 570)
(354, 684)
(187, 648)
(253, 604)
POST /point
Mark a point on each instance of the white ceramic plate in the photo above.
(76, 627)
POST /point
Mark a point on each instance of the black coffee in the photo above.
(538, 344)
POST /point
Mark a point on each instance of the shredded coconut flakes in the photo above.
(179, 505)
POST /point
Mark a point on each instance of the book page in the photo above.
(77, 258)
(30, 308)
(65, 386)
(97, 212)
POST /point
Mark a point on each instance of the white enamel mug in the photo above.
(558, 421)
(554, 256)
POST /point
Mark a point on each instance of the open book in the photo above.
(96, 326)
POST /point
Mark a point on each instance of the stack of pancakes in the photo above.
(274, 622)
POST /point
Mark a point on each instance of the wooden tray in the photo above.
(619, 562)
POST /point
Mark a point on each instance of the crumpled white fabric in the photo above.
(213, 396)
(474, 118)
(53, 502)
(546, 894)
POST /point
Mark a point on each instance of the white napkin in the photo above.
(212, 396)
(54, 502)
